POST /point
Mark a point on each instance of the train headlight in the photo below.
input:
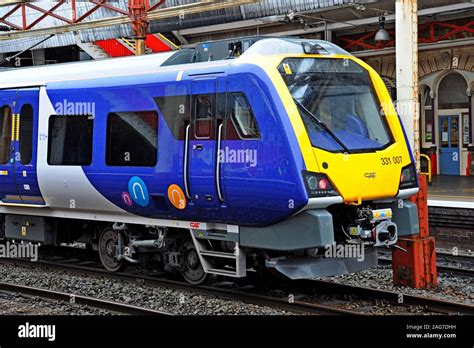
(318, 185)
(408, 178)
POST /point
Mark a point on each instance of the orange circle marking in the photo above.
(176, 196)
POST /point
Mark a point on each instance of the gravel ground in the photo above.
(17, 304)
(170, 300)
(378, 307)
(450, 287)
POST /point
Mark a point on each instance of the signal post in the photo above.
(415, 267)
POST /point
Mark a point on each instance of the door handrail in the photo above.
(218, 164)
(186, 147)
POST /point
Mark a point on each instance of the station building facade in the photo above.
(446, 87)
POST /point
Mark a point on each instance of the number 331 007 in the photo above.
(391, 160)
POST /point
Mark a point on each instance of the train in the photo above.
(236, 156)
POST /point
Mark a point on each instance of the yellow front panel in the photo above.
(359, 177)
(356, 177)
(375, 174)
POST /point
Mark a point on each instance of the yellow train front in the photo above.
(359, 166)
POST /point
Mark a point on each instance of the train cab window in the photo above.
(26, 133)
(70, 140)
(132, 139)
(5, 133)
(204, 115)
(242, 117)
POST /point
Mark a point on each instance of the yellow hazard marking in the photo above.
(3, 172)
(15, 127)
(383, 214)
(287, 69)
(170, 43)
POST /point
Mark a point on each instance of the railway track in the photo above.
(393, 297)
(115, 307)
(247, 296)
(256, 299)
(444, 263)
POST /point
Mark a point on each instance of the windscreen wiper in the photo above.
(322, 125)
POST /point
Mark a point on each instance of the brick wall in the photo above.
(452, 227)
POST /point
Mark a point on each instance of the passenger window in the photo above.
(176, 112)
(132, 139)
(26, 133)
(70, 140)
(243, 118)
(204, 114)
(5, 133)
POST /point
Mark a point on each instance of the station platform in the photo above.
(451, 192)
(451, 213)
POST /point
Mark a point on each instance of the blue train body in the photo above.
(214, 150)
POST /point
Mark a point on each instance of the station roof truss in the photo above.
(93, 19)
(192, 21)
(430, 32)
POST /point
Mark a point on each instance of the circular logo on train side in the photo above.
(176, 196)
(127, 199)
(138, 191)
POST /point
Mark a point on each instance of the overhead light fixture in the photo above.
(382, 34)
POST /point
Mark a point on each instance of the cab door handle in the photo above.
(197, 147)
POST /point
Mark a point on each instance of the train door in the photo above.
(8, 189)
(202, 145)
(449, 145)
(25, 146)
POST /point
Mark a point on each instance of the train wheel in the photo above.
(192, 270)
(108, 243)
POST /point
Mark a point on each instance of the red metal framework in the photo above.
(138, 17)
(428, 33)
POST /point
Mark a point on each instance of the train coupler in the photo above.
(374, 226)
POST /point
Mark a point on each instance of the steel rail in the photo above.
(397, 298)
(246, 297)
(392, 297)
(385, 259)
(75, 299)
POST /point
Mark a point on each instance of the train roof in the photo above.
(139, 65)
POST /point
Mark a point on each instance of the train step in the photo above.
(237, 267)
(218, 254)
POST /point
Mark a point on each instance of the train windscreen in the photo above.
(338, 104)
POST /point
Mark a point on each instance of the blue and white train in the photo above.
(227, 166)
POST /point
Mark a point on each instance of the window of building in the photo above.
(242, 117)
(427, 109)
(5, 133)
(132, 139)
(204, 116)
(452, 92)
(26, 134)
(70, 140)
